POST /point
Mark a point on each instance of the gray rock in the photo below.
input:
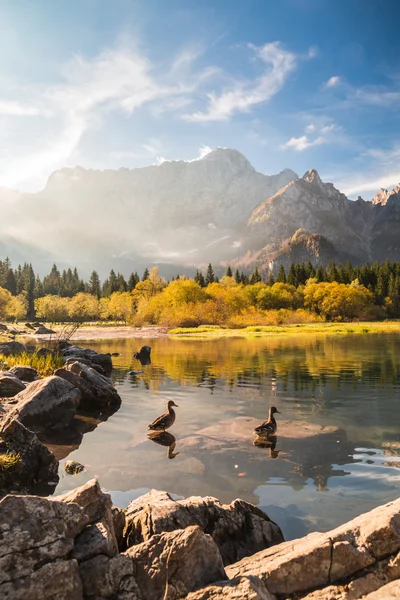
(109, 578)
(96, 389)
(239, 529)
(53, 581)
(35, 531)
(42, 330)
(12, 348)
(24, 373)
(37, 465)
(10, 385)
(368, 543)
(46, 404)
(176, 563)
(3, 327)
(95, 539)
(104, 360)
(248, 588)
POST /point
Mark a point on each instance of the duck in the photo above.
(268, 427)
(164, 421)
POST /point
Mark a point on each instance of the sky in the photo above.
(294, 84)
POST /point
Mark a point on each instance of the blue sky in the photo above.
(289, 83)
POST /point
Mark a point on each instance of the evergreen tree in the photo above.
(52, 282)
(132, 281)
(255, 277)
(237, 276)
(199, 278)
(309, 269)
(121, 283)
(271, 279)
(94, 287)
(10, 283)
(210, 277)
(281, 275)
(320, 275)
(292, 276)
(145, 274)
(229, 272)
(38, 288)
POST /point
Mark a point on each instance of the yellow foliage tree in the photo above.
(52, 308)
(17, 307)
(83, 307)
(5, 299)
(121, 306)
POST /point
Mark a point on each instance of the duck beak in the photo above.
(278, 411)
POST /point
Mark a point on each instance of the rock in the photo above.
(72, 467)
(52, 581)
(387, 592)
(24, 373)
(42, 330)
(104, 360)
(46, 404)
(119, 526)
(351, 552)
(95, 539)
(35, 531)
(239, 529)
(143, 355)
(11, 348)
(240, 588)
(37, 465)
(10, 385)
(95, 503)
(45, 352)
(29, 326)
(183, 561)
(96, 389)
(108, 578)
(3, 327)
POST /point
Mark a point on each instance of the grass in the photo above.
(274, 330)
(44, 365)
(9, 461)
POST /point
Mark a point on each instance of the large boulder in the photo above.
(240, 588)
(36, 468)
(104, 360)
(45, 404)
(24, 373)
(36, 540)
(170, 565)
(96, 389)
(10, 385)
(12, 348)
(239, 529)
(363, 554)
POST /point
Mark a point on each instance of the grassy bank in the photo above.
(206, 331)
(44, 365)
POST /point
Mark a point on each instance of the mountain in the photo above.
(181, 215)
(178, 212)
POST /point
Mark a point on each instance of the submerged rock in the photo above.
(239, 529)
(45, 404)
(72, 467)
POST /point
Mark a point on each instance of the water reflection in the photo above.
(164, 438)
(270, 443)
(336, 395)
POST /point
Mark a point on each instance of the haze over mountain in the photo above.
(214, 209)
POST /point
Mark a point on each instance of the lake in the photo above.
(337, 451)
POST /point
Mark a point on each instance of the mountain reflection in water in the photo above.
(336, 453)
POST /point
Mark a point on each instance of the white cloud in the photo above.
(373, 184)
(322, 133)
(333, 81)
(16, 109)
(244, 94)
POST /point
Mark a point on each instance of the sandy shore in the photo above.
(107, 333)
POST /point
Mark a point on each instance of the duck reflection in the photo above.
(267, 442)
(164, 438)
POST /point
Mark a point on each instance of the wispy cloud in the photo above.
(333, 81)
(315, 135)
(381, 171)
(242, 95)
(16, 109)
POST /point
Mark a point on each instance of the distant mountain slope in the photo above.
(216, 209)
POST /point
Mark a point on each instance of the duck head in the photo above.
(274, 410)
(171, 403)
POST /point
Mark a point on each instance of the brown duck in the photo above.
(268, 427)
(164, 421)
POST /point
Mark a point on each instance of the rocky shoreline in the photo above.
(78, 546)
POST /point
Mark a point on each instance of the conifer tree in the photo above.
(210, 277)
(281, 278)
(94, 287)
(145, 274)
(237, 276)
(271, 279)
(292, 278)
(255, 277)
(228, 272)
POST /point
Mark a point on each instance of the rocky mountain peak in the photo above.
(228, 156)
(311, 176)
(381, 197)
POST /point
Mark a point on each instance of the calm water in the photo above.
(346, 390)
